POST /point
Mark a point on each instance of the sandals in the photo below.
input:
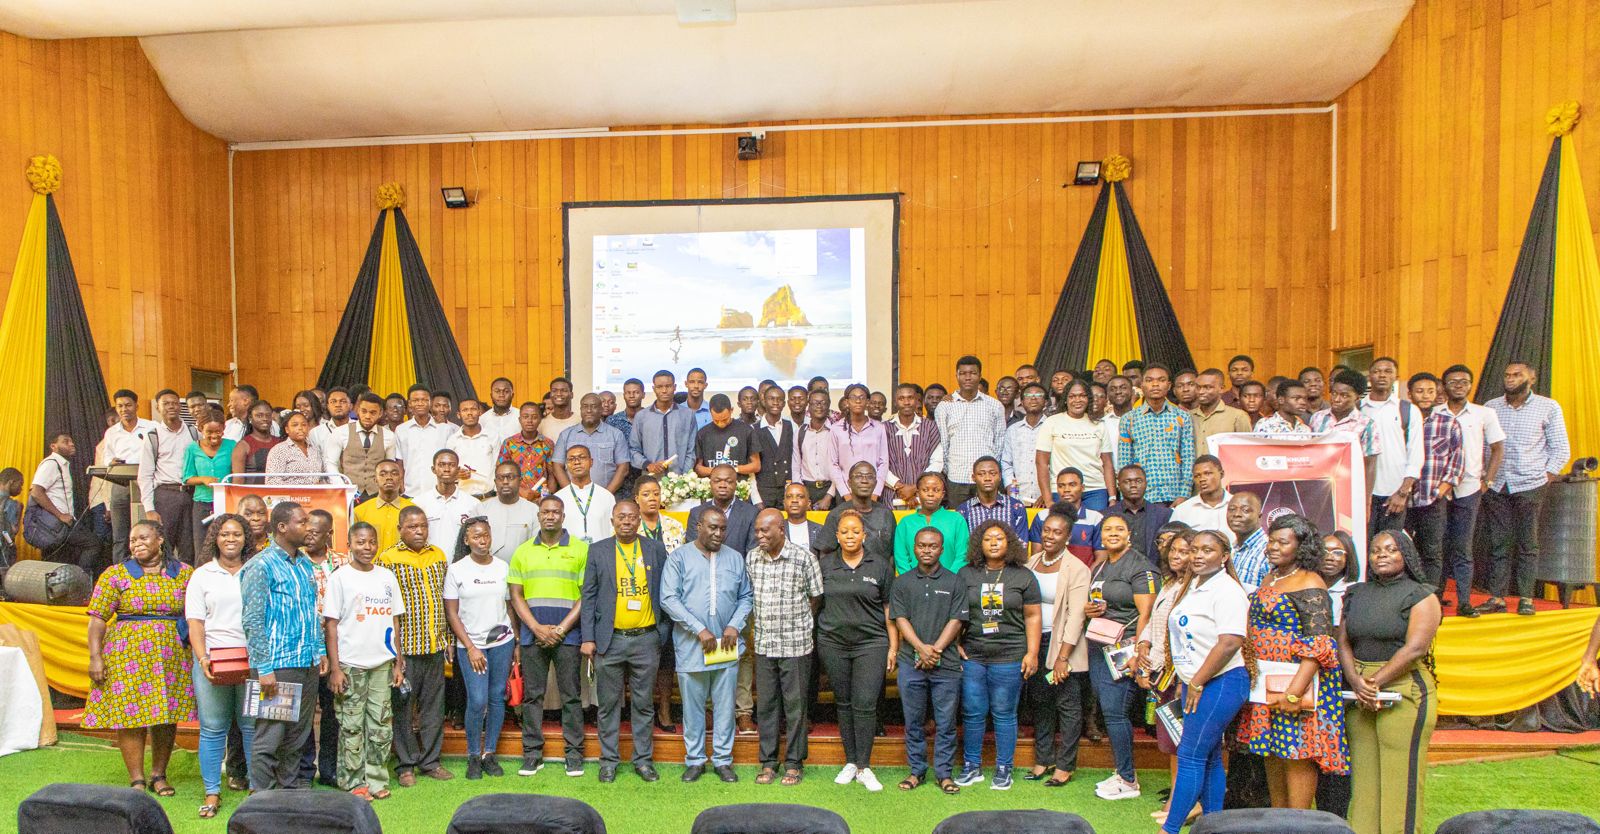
(767, 776)
(792, 777)
(137, 784)
(911, 783)
(381, 793)
(157, 780)
(949, 786)
(212, 804)
(361, 792)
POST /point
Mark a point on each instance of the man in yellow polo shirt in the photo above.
(623, 627)
(382, 511)
(546, 578)
(419, 567)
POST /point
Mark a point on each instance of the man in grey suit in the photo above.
(622, 626)
(741, 517)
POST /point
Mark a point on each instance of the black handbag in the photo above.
(41, 528)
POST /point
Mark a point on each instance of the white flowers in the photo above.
(677, 489)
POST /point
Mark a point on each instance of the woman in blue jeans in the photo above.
(476, 605)
(1206, 645)
(999, 648)
(214, 609)
(1122, 591)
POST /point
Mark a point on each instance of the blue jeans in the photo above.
(1113, 697)
(1093, 499)
(1200, 773)
(719, 685)
(989, 689)
(486, 696)
(219, 707)
(1458, 529)
(917, 686)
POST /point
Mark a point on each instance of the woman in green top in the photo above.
(931, 513)
(204, 464)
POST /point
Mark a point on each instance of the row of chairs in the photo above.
(75, 809)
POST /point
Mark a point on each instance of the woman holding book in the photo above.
(1385, 647)
(214, 609)
(1122, 592)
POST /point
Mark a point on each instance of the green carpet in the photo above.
(669, 807)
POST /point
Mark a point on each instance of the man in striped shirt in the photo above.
(991, 503)
(283, 636)
(1536, 451)
(913, 443)
(419, 567)
(972, 425)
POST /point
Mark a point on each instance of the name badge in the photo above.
(635, 605)
(991, 628)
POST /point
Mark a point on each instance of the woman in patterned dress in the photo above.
(139, 665)
(1300, 728)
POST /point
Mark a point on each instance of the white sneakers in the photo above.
(847, 774)
(1117, 788)
(865, 777)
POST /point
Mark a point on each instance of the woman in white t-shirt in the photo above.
(1206, 638)
(1071, 438)
(361, 610)
(214, 609)
(476, 605)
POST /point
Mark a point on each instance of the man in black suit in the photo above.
(624, 640)
(1144, 519)
(741, 537)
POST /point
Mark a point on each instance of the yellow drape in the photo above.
(1502, 662)
(1575, 322)
(63, 632)
(22, 344)
(391, 368)
(1113, 331)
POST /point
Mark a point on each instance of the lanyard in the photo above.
(630, 559)
(583, 507)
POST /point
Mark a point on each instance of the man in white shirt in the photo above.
(972, 425)
(1397, 426)
(447, 507)
(562, 415)
(1119, 401)
(161, 475)
(512, 518)
(587, 505)
(500, 421)
(1017, 456)
(475, 447)
(799, 528)
(1481, 433)
(321, 436)
(780, 449)
(51, 488)
(418, 439)
(1207, 509)
(240, 401)
(124, 444)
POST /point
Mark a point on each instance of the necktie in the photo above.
(666, 437)
(366, 440)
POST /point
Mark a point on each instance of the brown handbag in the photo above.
(230, 667)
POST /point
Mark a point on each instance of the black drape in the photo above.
(74, 389)
(437, 356)
(1524, 330)
(350, 355)
(1066, 340)
(1160, 337)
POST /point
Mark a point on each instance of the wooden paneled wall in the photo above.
(1235, 209)
(144, 200)
(1440, 152)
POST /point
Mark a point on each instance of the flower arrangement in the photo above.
(689, 487)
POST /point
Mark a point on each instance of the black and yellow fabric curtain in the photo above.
(1113, 305)
(51, 371)
(394, 332)
(1552, 309)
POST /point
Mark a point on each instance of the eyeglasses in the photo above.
(1339, 550)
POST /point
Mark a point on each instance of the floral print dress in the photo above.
(147, 666)
(1287, 628)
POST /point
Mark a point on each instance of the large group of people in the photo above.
(530, 539)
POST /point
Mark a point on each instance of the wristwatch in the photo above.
(1291, 698)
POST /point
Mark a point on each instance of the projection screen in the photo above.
(782, 289)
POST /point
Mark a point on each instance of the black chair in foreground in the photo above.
(769, 818)
(1519, 822)
(304, 812)
(1033, 822)
(521, 813)
(65, 808)
(1270, 821)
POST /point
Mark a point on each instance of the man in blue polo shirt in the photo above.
(1084, 540)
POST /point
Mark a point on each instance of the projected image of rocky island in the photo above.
(745, 306)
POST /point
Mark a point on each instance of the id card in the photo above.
(991, 627)
(635, 605)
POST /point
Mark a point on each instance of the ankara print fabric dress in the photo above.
(1288, 628)
(147, 666)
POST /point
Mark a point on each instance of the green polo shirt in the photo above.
(948, 522)
(551, 577)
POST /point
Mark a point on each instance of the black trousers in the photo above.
(630, 661)
(1379, 517)
(275, 750)
(956, 494)
(856, 673)
(82, 548)
(176, 509)
(1512, 523)
(1058, 710)
(536, 663)
(235, 760)
(320, 756)
(781, 708)
(1427, 526)
(419, 738)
